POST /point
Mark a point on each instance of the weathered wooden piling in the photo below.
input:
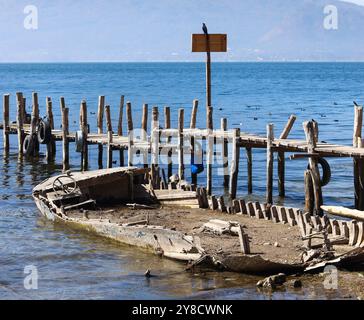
(154, 144)
(225, 153)
(234, 169)
(249, 157)
(34, 124)
(167, 125)
(109, 136)
(281, 156)
(62, 103)
(100, 127)
(358, 164)
(129, 118)
(20, 121)
(6, 122)
(120, 129)
(309, 193)
(144, 135)
(270, 138)
(51, 146)
(65, 140)
(181, 165)
(313, 163)
(193, 147)
(84, 129)
(210, 149)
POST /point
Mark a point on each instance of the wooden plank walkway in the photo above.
(246, 140)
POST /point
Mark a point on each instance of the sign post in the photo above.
(208, 43)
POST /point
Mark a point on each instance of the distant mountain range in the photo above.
(160, 30)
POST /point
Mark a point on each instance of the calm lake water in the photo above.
(80, 266)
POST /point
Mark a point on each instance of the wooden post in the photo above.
(281, 156)
(6, 122)
(208, 68)
(84, 129)
(62, 103)
(181, 165)
(270, 138)
(100, 127)
(34, 123)
(109, 136)
(65, 142)
(129, 118)
(249, 158)
(210, 149)
(120, 128)
(193, 126)
(309, 194)
(19, 121)
(154, 144)
(51, 146)
(234, 169)
(144, 134)
(167, 125)
(311, 145)
(357, 163)
(225, 153)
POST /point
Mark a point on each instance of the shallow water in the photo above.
(73, 265)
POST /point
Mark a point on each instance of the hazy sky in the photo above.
(160, 30)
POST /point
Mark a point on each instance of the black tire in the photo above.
(28, 145)
(44, 132)
(326, 171)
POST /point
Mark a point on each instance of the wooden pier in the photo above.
(182, 141)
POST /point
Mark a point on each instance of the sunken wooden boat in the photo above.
(119, 204)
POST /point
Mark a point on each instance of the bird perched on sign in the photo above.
(204, 28)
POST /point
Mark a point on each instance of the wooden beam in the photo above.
(120, 129)
(51, 146)
(210, 149)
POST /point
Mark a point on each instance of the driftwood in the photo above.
(344, 212)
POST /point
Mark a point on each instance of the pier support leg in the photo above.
(65, 143)
(84, 129)
(20, 121)
(51, 146)
(120, 130)
(234, 169)
(6, 123)
(270, 138)
(129, 118)
(181, 165)
(193, 126)
(144, 134)
(309, 194)
(100, 128)
(155, 145)
(109, 136)
(357, 132)
(281, 173)
(311, 138)
(167, 125)
(249, 158)
(225, 154)
(210, 149)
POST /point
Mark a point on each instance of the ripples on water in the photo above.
(80, 266)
